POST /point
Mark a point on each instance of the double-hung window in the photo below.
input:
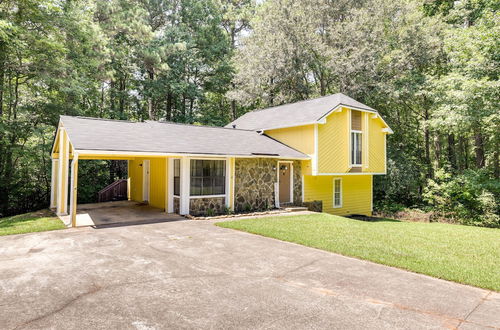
(356, 145)
(208, 177)
(337, 192)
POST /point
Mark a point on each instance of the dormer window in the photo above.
(356, 138)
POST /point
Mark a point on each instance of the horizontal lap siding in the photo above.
(333, 143)
(356, 193)
(300, 138)
(157, 181)
(376, 148)
(135, 176)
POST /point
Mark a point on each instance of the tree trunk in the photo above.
(496, 162)
(150, 100)
(427, 138)
(479, 148)
(169, 106)
(2, 74)
(451, 151)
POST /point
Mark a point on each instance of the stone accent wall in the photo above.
(254, 184)
(177, 205)
(201, 206)
(297, 183)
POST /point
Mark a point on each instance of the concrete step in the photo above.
(295, 208)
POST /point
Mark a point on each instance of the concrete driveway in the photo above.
(192, 274)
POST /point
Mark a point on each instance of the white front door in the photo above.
(145, 180)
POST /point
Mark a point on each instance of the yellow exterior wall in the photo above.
(135, 177)
(356, 193)
(376, 146)
(333, 143)
(158, 177)
(300, 138)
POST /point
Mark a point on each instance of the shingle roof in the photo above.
(163, 137)
(295, 114)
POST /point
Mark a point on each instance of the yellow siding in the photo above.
(135, 177)
(333, 143)
(356, 193)
(158, 180)
(300, 138)
(376, 147)
(158, 177)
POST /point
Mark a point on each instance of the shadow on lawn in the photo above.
(370, 219)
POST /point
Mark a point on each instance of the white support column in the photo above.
(170, 185)
(74, 190)
(53, 183)
(228, 183)
(185, 185)
(62, 181)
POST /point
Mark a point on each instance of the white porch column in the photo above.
(53, 183)
(185, 185)
(62, 180)
(170, 185)
(74, 190)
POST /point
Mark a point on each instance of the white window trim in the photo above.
(351, 146)
(226, 180)
(278, 180)
(341, 193)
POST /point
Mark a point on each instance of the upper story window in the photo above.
(208, 177)
(356, 138)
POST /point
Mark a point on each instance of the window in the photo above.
(177, 177)
(337, 192)
(356, 138)
(208, 177)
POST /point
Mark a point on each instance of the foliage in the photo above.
(470, 197)
(457, 253)
(430, 67)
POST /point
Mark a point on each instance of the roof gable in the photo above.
(296, 114)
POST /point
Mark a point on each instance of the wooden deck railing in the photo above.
(114, 192)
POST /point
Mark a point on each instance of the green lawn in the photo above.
(30, 222)
(463, 254)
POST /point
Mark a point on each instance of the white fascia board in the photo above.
(87, 152)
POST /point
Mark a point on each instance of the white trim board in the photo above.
(89, 153)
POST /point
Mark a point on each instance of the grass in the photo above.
(30, 222)
(464, 254)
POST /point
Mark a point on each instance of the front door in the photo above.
(285, 184)
(145, 180)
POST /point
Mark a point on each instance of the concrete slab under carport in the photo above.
(118, 213)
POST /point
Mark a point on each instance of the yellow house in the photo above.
(325, 150)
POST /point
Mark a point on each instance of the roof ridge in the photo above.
(204, 126)
(301, 101)
(103, 119)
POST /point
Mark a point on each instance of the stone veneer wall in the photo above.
(200, 206)
(177, 205)
(254, 183)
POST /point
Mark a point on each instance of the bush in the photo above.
(470, 198)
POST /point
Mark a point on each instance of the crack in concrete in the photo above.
(483, 299)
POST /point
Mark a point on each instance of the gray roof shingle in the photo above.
(295, 114)
(162, 137)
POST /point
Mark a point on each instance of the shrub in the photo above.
(470, 198)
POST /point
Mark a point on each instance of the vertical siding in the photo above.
(157, 181)
(356, 193)
(333, 143)
(135, 176)
(300, 138)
